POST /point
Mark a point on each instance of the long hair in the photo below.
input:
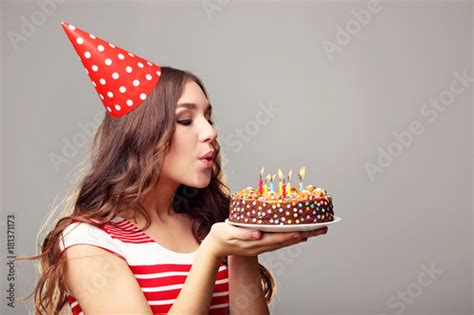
(126, 157)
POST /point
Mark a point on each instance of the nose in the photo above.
(208, 133)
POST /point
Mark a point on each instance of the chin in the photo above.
(201, 182)
(201, 185)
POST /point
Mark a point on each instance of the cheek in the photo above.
(181, 163)
(183, 144)
(181, 153)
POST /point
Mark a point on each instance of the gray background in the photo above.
(332, 115)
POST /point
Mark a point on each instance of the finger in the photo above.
(273, 247)
(316, 232)
(245, 233)
(321, 231)
(270, 239)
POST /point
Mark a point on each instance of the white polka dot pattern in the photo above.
(124, 77)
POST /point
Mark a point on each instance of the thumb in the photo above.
(247, 234)
(254, 234)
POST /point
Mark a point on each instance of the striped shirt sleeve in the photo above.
(88, 234)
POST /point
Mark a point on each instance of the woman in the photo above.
(145, 234)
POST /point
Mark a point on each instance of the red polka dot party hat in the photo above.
(123, 80)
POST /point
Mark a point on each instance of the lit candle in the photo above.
(265, 187)
(280, 186)
(288, 185)
(300, 178)
(260, 184)
(284, 189)
(271, 184)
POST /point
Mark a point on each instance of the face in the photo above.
(186, 162)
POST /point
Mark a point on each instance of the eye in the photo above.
(185, 122)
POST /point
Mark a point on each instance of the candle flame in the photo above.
(280, 174)
(261, 172)
(268, 178)
(302, 172)
(273, 177)
(289, 174)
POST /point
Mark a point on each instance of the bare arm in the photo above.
(103, 283)
(196, 294)
(226, 240)
(245, 289)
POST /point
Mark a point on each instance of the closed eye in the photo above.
(188, 122)
(185, 122)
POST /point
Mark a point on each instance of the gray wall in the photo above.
(348, 89)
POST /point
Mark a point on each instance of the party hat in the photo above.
(122, 79)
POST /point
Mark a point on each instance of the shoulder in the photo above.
(101, 282)
(88, 234)
(96, 272)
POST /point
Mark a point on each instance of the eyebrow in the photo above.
(194, 106)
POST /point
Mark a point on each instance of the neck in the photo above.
(158, 203)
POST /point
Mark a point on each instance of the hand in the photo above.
(226, 239)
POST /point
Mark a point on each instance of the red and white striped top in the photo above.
(159, 271)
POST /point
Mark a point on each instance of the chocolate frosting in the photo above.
(311, 205)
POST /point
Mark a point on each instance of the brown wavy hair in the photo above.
(125, 162)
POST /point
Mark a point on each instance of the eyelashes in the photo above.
(185, 122)
(188, 122)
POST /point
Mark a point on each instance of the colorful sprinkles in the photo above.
(309, 208)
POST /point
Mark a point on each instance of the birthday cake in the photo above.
(305, 204)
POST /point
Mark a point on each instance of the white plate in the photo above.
(285, 228)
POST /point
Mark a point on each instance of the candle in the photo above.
(271, 184)
(284, 189)
(265, 187)
(300, 177)
(288, 185)
(280, 175)
(260, 184)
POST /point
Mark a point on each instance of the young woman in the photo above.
(144, 233)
